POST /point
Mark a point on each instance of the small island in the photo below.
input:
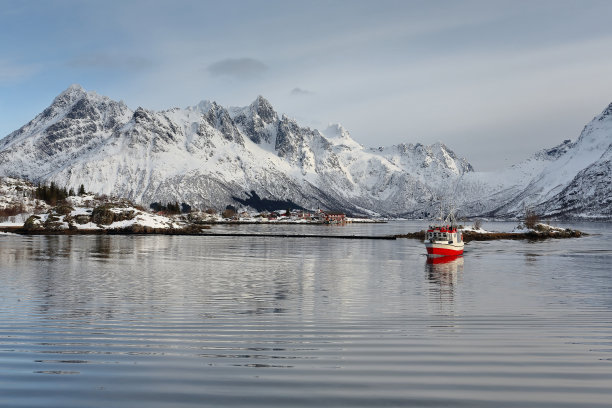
(535, 232)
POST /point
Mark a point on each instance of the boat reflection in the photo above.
(443, 274)
(445, 260)
(443, 271)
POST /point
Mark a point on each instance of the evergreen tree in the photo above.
(52, 194)
(174, 208)
(185, 208)
(157, 207)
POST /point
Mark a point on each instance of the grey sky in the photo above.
(240, 68)
(494, 80)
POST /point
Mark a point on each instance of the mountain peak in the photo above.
(203, 106)
(70, 95)
(264, 109)
(74, 88)
(75, 93)
(261, 100)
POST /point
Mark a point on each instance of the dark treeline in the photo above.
(171, 208)
(52, 194)
(264, 204)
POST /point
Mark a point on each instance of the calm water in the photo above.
(156, 321)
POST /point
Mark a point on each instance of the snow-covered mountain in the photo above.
(207, 155)
(571, 180)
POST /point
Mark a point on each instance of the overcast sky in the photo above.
(493, 80)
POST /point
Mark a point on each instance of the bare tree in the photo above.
(531, 218)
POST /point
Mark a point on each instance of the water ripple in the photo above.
(191, 322)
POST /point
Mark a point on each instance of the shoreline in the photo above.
(199, 231)
(21, 231)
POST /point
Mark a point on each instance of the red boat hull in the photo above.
(443, 250)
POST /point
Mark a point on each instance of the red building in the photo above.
(334, 217)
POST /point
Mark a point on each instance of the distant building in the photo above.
(304, 215)
(331, 216)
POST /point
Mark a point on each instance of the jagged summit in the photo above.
(259, 120)
(73, 112)
(211, 156)
(74, 91)
(264, 110)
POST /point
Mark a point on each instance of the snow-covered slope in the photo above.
(588, 195)
(571, 180)
(206, 155)
(17, 201)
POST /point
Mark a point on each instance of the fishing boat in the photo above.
(444, 240)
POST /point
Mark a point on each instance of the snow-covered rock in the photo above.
(17, 198)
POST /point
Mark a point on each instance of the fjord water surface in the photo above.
(171, 321)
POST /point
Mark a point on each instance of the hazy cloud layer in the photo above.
(300, 92)
(241, 68)
(12, 72)
(109, 61)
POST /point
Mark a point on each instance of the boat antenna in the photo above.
(450, 218)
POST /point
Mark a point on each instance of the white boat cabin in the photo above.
(443, 233)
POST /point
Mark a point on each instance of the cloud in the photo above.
(300, 92)
(113, 62)
(11, 72)
(241, 68)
